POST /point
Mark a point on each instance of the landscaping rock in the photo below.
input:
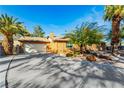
(91, 58)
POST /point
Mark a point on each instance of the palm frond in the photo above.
(10, 25)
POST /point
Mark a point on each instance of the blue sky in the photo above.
(55, 19)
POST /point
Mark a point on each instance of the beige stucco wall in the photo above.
(58, 48)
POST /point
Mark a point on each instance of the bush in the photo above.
(76, 53)
(69, 54)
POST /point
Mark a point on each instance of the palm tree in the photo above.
(114, 13)
(9, 26)
(86, 34)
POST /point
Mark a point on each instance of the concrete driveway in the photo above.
(53, 71)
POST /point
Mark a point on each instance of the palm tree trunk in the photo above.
(8, 45)
(115, 32)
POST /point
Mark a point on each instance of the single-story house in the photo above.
(50, 44)
(53, 44)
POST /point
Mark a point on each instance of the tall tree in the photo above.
(86, 34)
(10, 26)
(114, 13)
(38, 32)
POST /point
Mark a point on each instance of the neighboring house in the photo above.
(52, 44)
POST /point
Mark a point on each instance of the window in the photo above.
(69, 45)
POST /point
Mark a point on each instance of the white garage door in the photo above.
(32, 48)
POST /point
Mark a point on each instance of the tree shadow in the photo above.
(65, 75)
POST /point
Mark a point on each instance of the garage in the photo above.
(34, 44)
(33, 48)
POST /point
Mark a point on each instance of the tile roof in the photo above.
(59, 39)
(34, 39)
